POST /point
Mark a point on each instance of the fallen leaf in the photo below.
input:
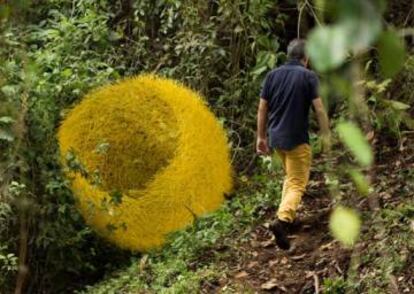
(252, 264)
(269, 285)
(327, 246)
(241, 275)
(370, 136)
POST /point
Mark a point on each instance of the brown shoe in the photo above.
(281, 231)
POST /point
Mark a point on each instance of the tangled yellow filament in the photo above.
(156, 143)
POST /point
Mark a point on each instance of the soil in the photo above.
(257, 265)
(313, 256)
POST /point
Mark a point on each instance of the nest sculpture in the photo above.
(151, 157)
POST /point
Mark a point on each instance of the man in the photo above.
(286, 97)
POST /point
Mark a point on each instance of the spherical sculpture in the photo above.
(152, 157)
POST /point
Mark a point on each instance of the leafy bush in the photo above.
(401, 88)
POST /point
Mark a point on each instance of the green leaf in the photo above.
(362, 21)
(392, 53)
(10, 90)
(345, 225)
(397, 105)
(353, 138)
(66, 73)
(272, 61)
(327, 47)
(6, 120)
(258, 71)
(361, 32)
(115, 36)
(4, 11)
(360, 181)
(5, 136)
(358, 27)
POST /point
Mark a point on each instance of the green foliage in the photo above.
(345, 225)
(354, 139)
(360, 182)
(391, 53)
(392, 233)
(327, 47)
(401, 87)
(34, 90)
(334, 286)
(65, 48)
(388, 115)
(52, 52)
(358, 26)
(170, 271)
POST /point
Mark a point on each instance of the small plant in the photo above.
(8, 264)
(388, 116)
(334, 286)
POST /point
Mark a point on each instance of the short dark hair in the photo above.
(296, 49)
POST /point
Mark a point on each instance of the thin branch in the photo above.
(300, 17)
(408, 16)
(316, 283)
(314, 14)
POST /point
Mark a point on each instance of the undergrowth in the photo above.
(192, 257)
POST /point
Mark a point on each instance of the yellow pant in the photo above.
(296, 164)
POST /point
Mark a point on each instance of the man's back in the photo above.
(289, 91)
(284, 106)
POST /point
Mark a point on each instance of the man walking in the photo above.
(282, 126)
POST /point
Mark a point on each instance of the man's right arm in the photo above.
(323, 121)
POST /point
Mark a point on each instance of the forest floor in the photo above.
(234, 252)
(257, 265)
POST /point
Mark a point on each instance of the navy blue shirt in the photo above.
(289, 91)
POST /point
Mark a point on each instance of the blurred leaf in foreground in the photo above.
(361, 183)
(353, 138)
(345, 225)
(327, 48)
(392, 53)
(358, 26)
(362, 21)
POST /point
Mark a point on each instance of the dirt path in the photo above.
(313, 256)
(256, 265)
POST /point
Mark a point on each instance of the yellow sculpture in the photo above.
(154, 155)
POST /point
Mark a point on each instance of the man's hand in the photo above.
(262, 147)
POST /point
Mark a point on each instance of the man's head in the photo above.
(297, 50)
